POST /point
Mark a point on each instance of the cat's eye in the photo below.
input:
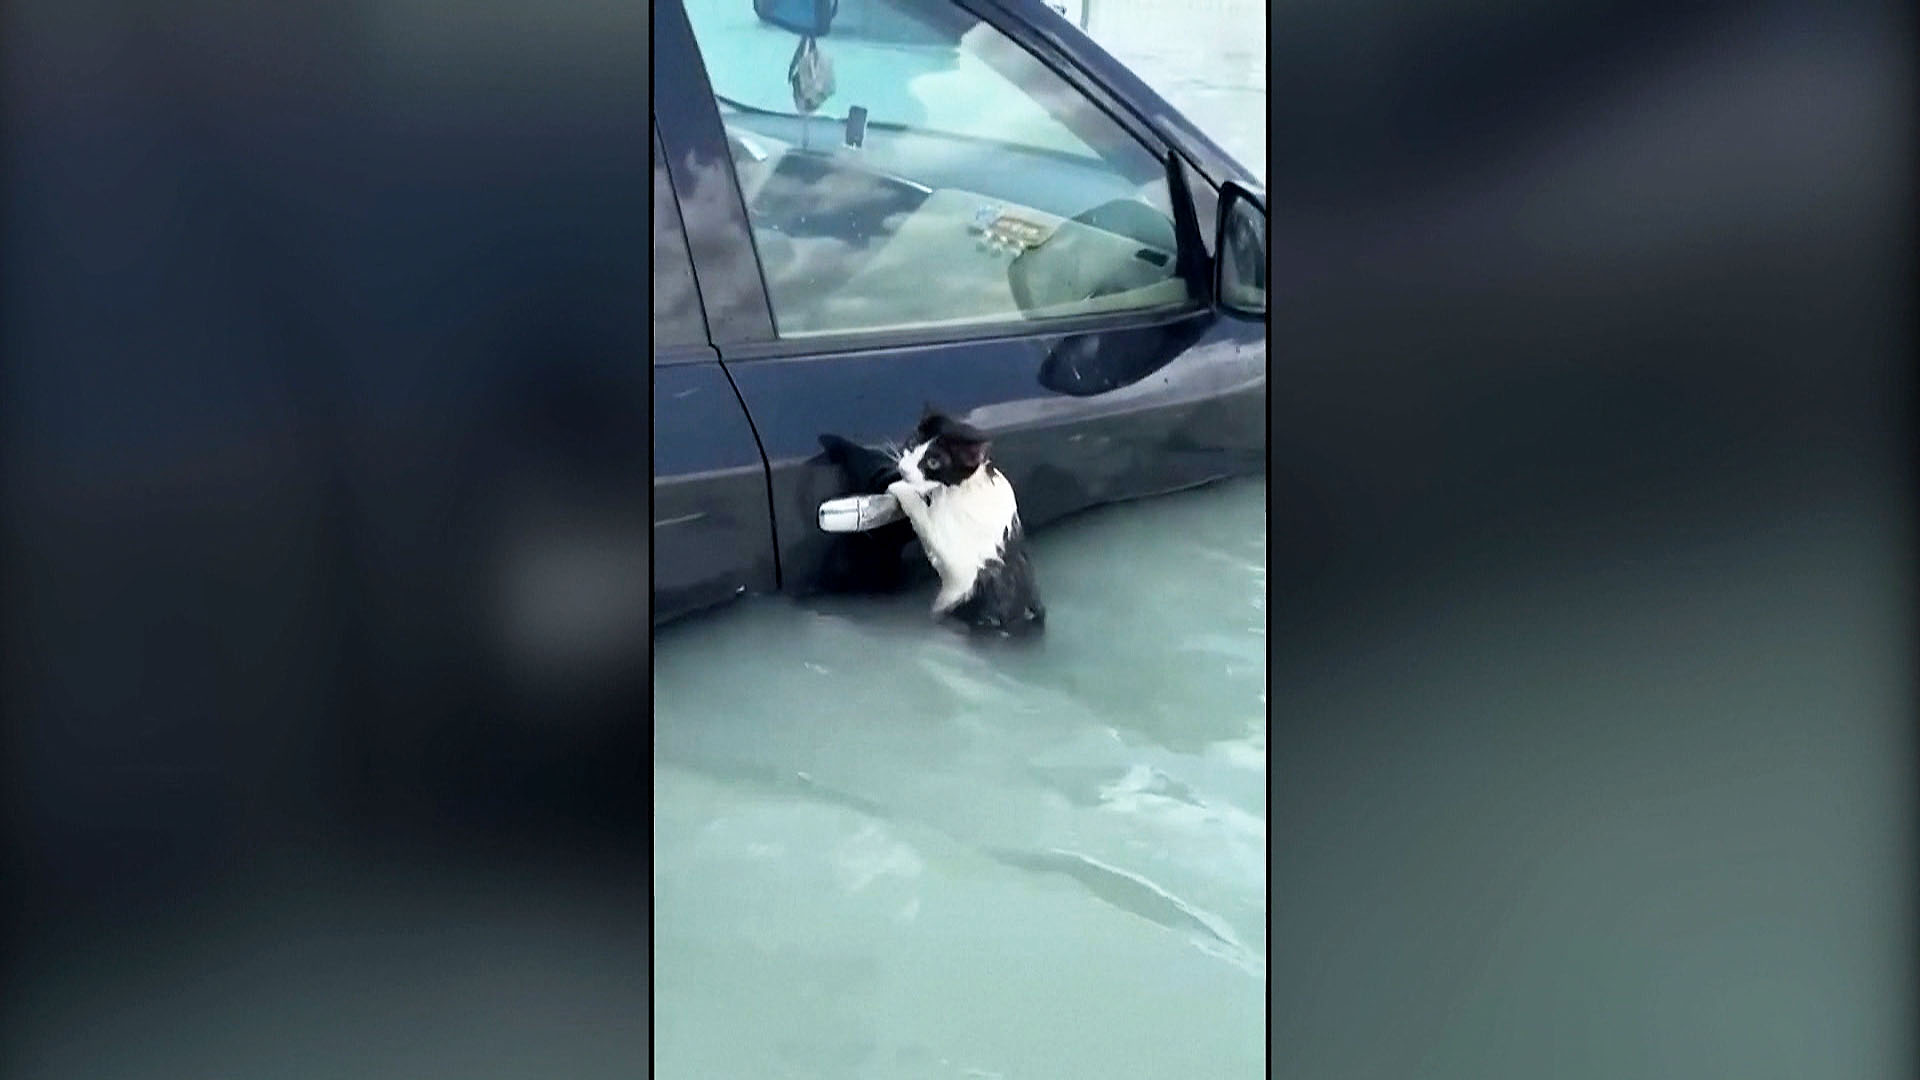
(935, 461)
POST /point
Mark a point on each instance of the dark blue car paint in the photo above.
(1084, 412)
(712, 527)
(711, 533)
(1194, 412)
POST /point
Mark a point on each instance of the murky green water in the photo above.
(884, 851)
(881, 851)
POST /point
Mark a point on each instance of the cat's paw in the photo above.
(906, 493)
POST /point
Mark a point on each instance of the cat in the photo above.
(963, 510)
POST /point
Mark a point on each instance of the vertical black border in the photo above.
(653, 158)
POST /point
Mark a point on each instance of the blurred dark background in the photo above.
(1592, 748)
(324, 434)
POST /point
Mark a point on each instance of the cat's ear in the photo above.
(932, 422)
(962, 431)
(970, 452)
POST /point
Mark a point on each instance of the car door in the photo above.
(892, 233)
(712, 531)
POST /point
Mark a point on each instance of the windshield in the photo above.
(976, 161)
(905, 71)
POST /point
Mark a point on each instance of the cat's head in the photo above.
(943, 450)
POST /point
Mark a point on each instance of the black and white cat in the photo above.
(963, 510)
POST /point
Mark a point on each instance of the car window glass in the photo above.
(946, 177)
(677, 319)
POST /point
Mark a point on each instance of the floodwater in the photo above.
(881, 850)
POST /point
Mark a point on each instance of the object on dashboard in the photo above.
(856, 126)
(983, 217)
(1002, 232)
(1017, 233)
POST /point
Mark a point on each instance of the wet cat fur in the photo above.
(962, 509)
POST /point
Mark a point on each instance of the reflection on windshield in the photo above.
(982, 188)
(944, 80)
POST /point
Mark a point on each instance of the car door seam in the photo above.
(766, 476)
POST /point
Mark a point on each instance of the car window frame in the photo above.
(666, 207)
(699, 120)
(726, 260)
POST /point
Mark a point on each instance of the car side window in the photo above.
(917, 168)
(677, 318)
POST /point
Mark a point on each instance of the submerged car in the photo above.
(865, 207)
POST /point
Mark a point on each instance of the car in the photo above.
(866, 207)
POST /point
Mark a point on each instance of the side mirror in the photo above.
(1240, 252)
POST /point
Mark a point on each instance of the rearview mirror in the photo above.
(808, 18)
(1240, 252)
